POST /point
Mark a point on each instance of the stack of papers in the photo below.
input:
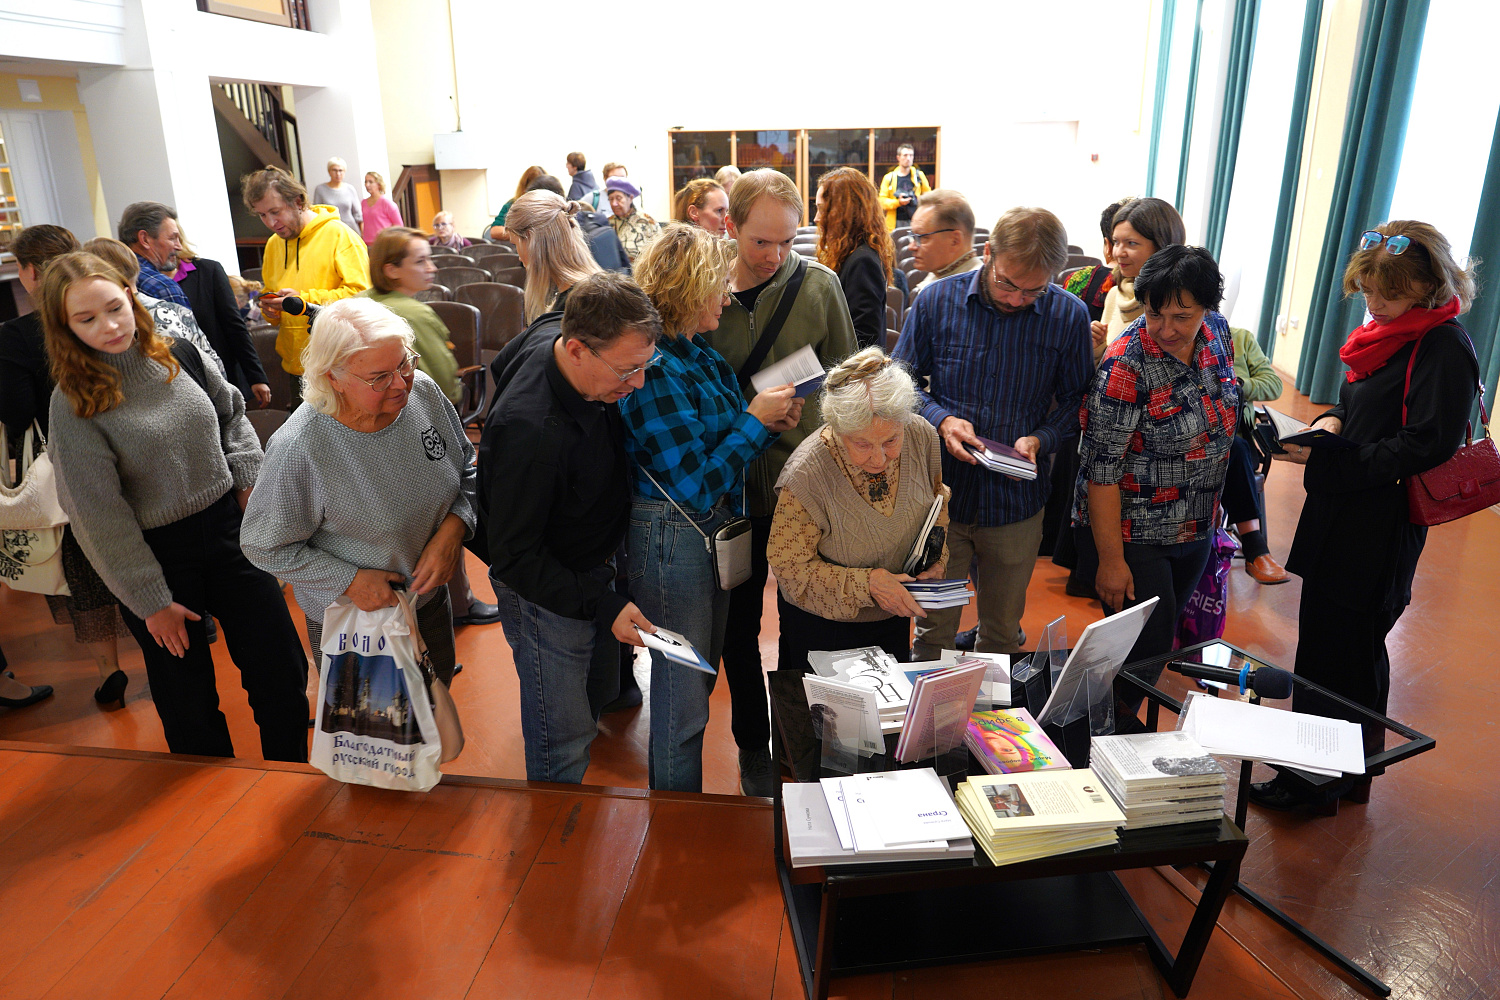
(1272, 735)
(872, 669)
(1017, 817)
(941, 701)
(801, 368)
(999, 457)
(1159, 779)
(885, 816)
(1008, 741)
(939, 593)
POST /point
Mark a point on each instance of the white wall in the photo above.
(1004, 80)
(86, 31)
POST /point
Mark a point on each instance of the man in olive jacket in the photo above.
(764, 210)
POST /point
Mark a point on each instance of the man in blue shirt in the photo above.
(150, 229)
(1007, 356)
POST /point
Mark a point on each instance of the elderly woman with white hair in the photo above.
(850, 502)
(340, 195)
(370, 484)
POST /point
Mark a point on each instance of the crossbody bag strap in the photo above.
(707, 542)
(1484, 415)
(773, 328)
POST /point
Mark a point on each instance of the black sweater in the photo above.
(863, 278)
(25, 383)
(214, 307)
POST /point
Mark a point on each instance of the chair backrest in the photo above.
(1076, 260)
(479, 251)
(502, 309)
(808, 250)
(1074, 249)
(434, 293)
(895, 299)
(502, 269)
(462, 321)
(900, 231)
(455, 276)
(284, 393)
(251, 274)
(453, 260)
(266, 423)
(438, 250)
(804, 230)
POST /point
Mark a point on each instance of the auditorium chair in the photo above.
(455, 276)
(462, 321)
(434, 293)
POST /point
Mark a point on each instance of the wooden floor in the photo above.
(128, 874)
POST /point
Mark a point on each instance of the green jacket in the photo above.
(820, 318)
(1260, 383)
(431, 340)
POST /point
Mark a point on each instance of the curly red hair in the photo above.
(851, 218)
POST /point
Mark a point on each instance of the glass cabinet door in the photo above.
(698, 154)
(829, 149)
(774, 148)
(924, 143)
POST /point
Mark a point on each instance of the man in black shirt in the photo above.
(555, 502)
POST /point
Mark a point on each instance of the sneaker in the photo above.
(756, 774)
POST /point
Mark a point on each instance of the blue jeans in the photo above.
(569, 669)
(672, 582)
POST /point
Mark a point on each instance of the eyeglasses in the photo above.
(1009, 287)
(632, 373)
(1394, 245)
(382, 382)
(917, 238)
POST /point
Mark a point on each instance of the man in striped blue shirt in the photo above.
(1007, 356)
(150, 229)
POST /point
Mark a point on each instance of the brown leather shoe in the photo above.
(1264, 569)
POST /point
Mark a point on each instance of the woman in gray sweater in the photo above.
(368, 485)
(154, 461)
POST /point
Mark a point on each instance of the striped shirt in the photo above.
(1001, 372)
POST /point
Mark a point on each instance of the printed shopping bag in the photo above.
(1207, 610)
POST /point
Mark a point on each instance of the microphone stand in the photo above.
(1416, 743)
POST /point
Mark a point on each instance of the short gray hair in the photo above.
(1032, 237)
(342, 331)
(950, 210)
(867, 385)
(147, 215)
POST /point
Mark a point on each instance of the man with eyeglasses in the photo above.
(999, 347)
(554, 504)
(942, 237)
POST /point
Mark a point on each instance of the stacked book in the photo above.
(999, 457)
(1008, 741)
(939, 593)
(1159, 779)
(864, 818)
(869, 669)
(1018, 817)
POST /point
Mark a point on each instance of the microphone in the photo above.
(1266, 682)
(293, 305)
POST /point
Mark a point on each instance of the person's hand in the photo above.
(1332, 425)
(772, 406)
(886, 588)
(1296, 453)
(1028, 446)
(627, 621)
(169, 627)
(270, 304)
(262, 394)
(371, 589)
(440, 556)
(1114, 584)
(904, 199)
(933, 572)
(242, 497)
(955, 432)
(1099, 330)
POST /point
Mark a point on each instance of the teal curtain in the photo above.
(1291, 170)
(1369, 159)
(1192, 103)
(1163, 63)
(1483, 320)
(1236, 91)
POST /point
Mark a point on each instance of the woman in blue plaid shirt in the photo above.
(691, 430)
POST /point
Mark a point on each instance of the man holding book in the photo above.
(998, 346)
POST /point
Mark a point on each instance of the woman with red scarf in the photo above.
(1356, 548)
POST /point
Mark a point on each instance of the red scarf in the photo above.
(1370, 346)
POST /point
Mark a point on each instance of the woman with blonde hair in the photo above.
(854, 243)
(551, 246)
(445, 233)
(726, 176)
(691, 435)
(1404, 404)
(497, 228)
(850, 502)
(704, 203)
(161, 525)
(380, 212)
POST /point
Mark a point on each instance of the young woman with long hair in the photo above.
(551, 246)
(854, 243)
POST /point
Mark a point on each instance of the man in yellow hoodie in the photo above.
(307, 257)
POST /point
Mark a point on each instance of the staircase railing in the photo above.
(262, 108)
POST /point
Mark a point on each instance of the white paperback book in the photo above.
(844, 713)
(863, 827)
(801, 368)
(909, 807)
(1100, 651)
(1273, 735)
(676, 648)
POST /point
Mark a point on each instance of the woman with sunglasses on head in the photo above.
(154, 461)
(370, 484)
(690, 434)
(1404, 404)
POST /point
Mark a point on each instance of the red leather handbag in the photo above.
(1466, 483)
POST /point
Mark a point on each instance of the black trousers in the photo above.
(207, 573)
(1242, 501)
(750, 718)
(1343, 649)
(801, 631)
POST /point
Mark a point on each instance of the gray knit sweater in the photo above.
(333, 500)
(168, 451)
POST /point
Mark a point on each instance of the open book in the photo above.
(1290, 430)
(801, 368)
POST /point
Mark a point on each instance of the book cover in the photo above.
(844, 713)
(1008, 741)
(941, 704)
(868, 667)
(1144, 759)
(1039, 801)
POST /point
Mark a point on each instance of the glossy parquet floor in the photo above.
(127, 874)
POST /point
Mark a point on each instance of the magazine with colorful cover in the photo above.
(1008, 741)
